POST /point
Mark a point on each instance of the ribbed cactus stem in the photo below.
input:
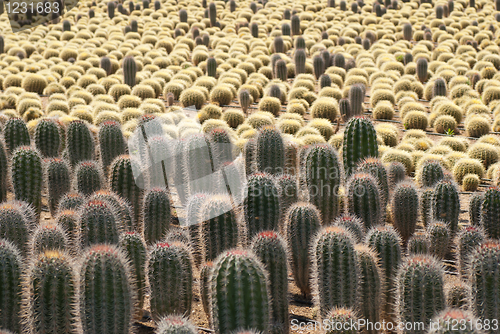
(404, 207)
(111, 143)
(466, 241)
(15, 134)
(439, 88)
(356, 98)
(4, 172)
(300, 61)
(318, 66)
(407, 31)
(58, 181)
(99, 224)
(11, 264)
(175, 324)
(446, 204)
(363, 199)
(212, 14)
(47, 138)
(295, 25)
(48, 236)
(27, 176)
(205, 272)
(280, 70)
(422, 68)
(490, 212)
(211, 67)
(475, 203)
(157, 213)
(270, 151)
(129, 71)
(439, 235)
(360, 142)
(111, 9)
(442, 323)
(376, 168)
(80, 143)
(88, 177)
(132, 243)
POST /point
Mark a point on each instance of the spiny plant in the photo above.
(446, 204)
(111, 143)
(418, 244)
(363, 199)
(439, 235)
(70, 201)
(198, 164)
(98, 223)
(489, 212)
(47, 138)
(27, 176)
(377, 169)
(404, 208)
(353, 224)
(129, 71)
(441, 323)
(205, 273)
(58, 178)
(15, 134)
(466, 241)
(79, 142)
(360, 142)
(157, 214)
(175, 324)
(429, 173)
(48, 236)
(88, 177)
(4, 171)
(11, 264)
(475, 203)
(288, 191)
(133, 245)
(270, 151)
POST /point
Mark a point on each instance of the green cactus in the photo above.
(132, 243)
(221, 147)
(386, 242)
(106, 268)
(485, 280)
(429, 173)
(363, 199)
(444, 322)
(397, 173)
(288, 191)
(356, 98)
(426, 205)
(58, 181)
(70, 201)
(466, 241)
(80, 143)
(106, 65)
(295, 25)
(198, 163)
(376, 168)
(270, 151)
(212, 14)
(211, 67)
(420, 290)
(47, 138)
(4, 171)
(15, 134)
(280, 70)
(340, 319)
(170, 272)
(175, 324)
(325, 81)
(353, 224)
(129, 66)
(318, 66)
(219, 227)
(27, 176)
(446, 204)
(458, 294)
(345, 109)
(98, 223)
(418, 244)
(48, 236)
(11, 264)
(68, 221)
(261, 205)
(489, 212)
(205, 272)
(270, 249)
(50, 294)
(245, 99)
(336, 269)
(88, 177)
(475, 203)
(278, 45)
(111, 143)
(439, 235)
(111, 9)
(299, 58)
(157, 213)
(422, 72)
(239, 293)
(404, 208)
(360, 142)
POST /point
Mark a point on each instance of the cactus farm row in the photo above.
(362, 138)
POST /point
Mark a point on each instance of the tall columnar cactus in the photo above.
(98, 223)
(175, 324)
(4, 171)
(70, 201)
(261, 205)
(212, 14)
(280, 70)
(211, 67)
(302, 221)
(426, 205)
(360, 142)
(129, 71)
(106, 268)
(170, 274)
(420, 290)
(376, 168)
(404, 207)
(270, 151)
(468, 239)
(356, 98)
(15, 134)
(386, 242)
(288, 191)
(318, 66)
(270, 249)
(132, 243)
(490, 212)
(418, 244)
(345, 109)
(422, 72)
(475, 203)
(336, 270)
(407, 31)
(439, 235)
(295, 25)
(106, 65)
(121, 206)
(11, 264)
(363, 199)
(439, 87)
(68, 221)
(27, 176)
(111, 143)
(198, 164)
(50, 294)
(88, 177)
(123, 181)
(47, 138)
(254, 29)
(278, 45)
(58, 181)
(239, 293)
(221, 147)
(446, 204)
(205, 272)
(430, 173)
(323, 174)
(219, 226)
(299, 59)
(397, 173)
(156, 214)
(48, 236)
(80, 142)
(111, 9)
(370, 285)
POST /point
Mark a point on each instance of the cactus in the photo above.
(80, 143)
(111, 143)
(318, 66)
(239, 293)
(299, 59)
(192, 97)
(27, 175)
(156, 213)
(99, 223)
(475, 203)
(302, 221)
(270, 249)
(11, 264)
(407, 31)
(270, 151)
(439, 87)
(443, 322)
(280, 70)
(68, 221)
(300, 43)
(106, 268)
(370, 285)
(418, 244)
(363, 199)
(212, 14)
(356, 98)
(175, 324)
(489, 212)
(429, 173)
(339, 60)
(170, 273)
(404, 208)
(106, 65)
(4, 172)
(422, 72)
(245, 99)
(386, 242)
(397, 173)
(336, 268)
(123, 182)
(288, 191)
(70, 201)
(111, 9)
(426, 205)
(458, 294)
(205, 272)
(132, 243)
(15, 134)
(466, 241)
(254, 29)
(345, 109)
(322, 171)
(198, 164)
(377, 169)
(58, 181)
(485, 280)
(295, 25)
(439, 235)
(420, 290)
(50, 294)
(325, 81)
(360, 141)
(219, 227)
(353, 224)
(88, 177)
(2, 45)
(48, 236)
(129, 71)
(261, 205)
(278, 45)
(47, 139)
(221, 147)
(446, 204)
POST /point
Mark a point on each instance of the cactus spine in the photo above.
(360, 141)
(134, 247)
(129, 71)
(446, 204)
(88, 177)
(170, 273)
(442, 323)
(48, 236)
(47, 138)
(363, 199)
(156, 214)
(106, 268)
(239, 293)
(404, 207)
(175, 324)
(490, 212)
(15, 134)
(467, 240)
(98, 223)
(58, 181)
(27, 175)
(475, 203)
(80, 143)
(439, 239)
(10, 281)
(111, 143)
(270, 249)
(270, 151)
(430, 173)
(376, 168)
